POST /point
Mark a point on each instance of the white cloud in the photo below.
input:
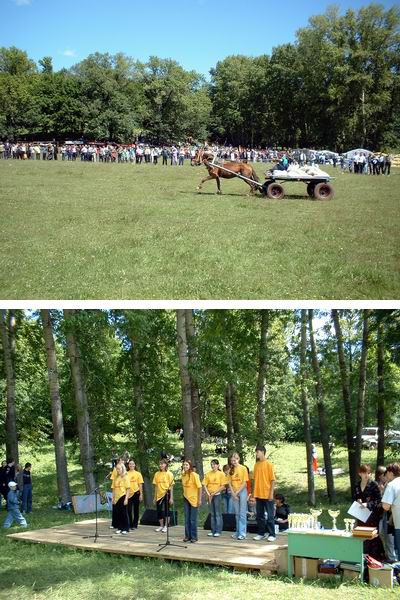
(68, 52)
(22, 2)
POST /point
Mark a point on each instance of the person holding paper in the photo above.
(368, 495)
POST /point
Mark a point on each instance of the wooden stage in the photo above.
(264, 557)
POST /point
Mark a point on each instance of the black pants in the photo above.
(133, 509)
(265, 525)
(120, 515)
(163, 510)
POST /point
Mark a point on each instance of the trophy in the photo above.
(334, 514)
(315, 512)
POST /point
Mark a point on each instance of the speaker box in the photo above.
(149, 517)
(229, 523)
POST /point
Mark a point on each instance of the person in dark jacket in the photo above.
(368, 494)
(27, 489)
(282, 512)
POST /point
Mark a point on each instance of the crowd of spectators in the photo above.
(176, 155)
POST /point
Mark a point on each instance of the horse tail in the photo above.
(254, 175)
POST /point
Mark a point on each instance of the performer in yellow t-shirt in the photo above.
(264, 485)
(214, 483)
(121, 491)
(191, 500)
(163, 494)
(111, 476)
(135, 495)
(238, 478)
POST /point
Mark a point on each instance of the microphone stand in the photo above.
(96, 532)
(167, 541)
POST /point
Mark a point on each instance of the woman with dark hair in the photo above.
(238, 478)
(214, 484)
(191, 500)
(163, 494)
(367, 493)
(136, 494)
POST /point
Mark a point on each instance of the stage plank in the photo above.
(266, 557)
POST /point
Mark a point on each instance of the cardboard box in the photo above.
(381, 577)
(306, 568)
(350, 575)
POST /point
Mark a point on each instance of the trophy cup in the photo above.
(334, 514)
(315, 512)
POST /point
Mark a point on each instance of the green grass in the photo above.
(40, 572)
(94, 231)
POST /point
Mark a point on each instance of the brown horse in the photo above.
(206, 157)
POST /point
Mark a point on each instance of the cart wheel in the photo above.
(323, 191)
(275, 191)
(310, 189)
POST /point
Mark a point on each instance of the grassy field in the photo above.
(109, 231)
(40, 572)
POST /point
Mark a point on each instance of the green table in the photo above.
(324, 544)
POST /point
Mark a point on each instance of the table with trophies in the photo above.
(307, 540)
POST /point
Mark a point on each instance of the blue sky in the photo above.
(196, 33)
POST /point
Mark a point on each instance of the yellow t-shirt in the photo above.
(240, 475)
(191, 486)
(135, 479)
(213, 480)
(263, 476)
(121, 484)
(163, 480)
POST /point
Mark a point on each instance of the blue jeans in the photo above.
(27, 498)
(14, 514)
(397, 542)
(191, 513)
(265, 525)
(216, 515)
(228, 504)
(240, 506)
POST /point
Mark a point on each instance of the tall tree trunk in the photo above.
(229, 419)
(7, 322)
(82, 406)
(64, 492)
(194, 392)
(344, 376)
(361, 388)
(323, 426)
(262, 377)
(380, 350)
(186, 385)
(138, 407)
(235, 423)
(306, 409)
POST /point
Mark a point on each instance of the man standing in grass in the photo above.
(264, 485)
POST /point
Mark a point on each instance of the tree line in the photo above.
(93, 377)
(336, 86)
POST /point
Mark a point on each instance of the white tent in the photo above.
(352, 153)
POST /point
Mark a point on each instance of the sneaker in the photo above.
(257, 538)
(124, 533)
(210, 534)
(118, 531)
(193, 541)
(164, 530)
(158, 529)
(241, 537)
(234, 536)
(112, 527)
(217, 534)
(271, 538)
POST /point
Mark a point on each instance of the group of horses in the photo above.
(224, 170)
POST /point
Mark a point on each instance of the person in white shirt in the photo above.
(391, 501)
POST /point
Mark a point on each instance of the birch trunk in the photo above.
(361, 388)
(306, 409)
(64, 492)
(262, 377)
(7, 321)
(345, 381)
(323, 426)
(82, 407)
(188, 438)
(194, 392)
